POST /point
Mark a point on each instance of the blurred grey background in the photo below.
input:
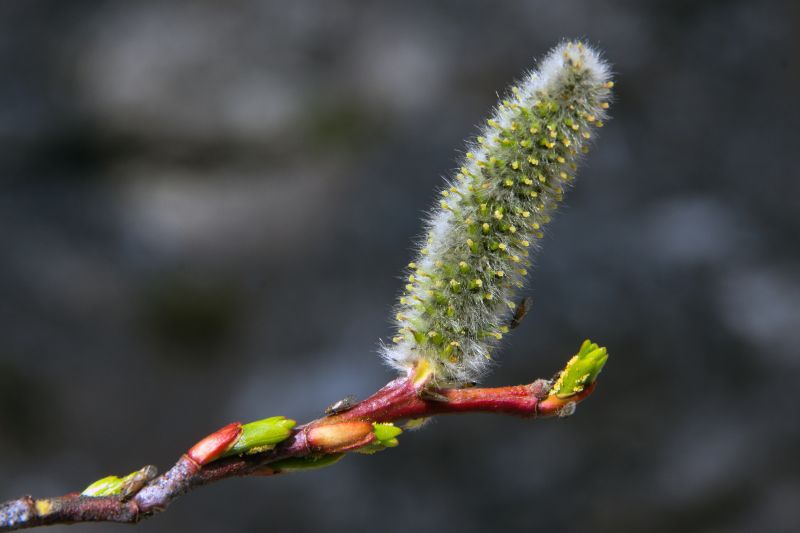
(205, 208)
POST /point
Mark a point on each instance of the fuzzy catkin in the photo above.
(461, 287)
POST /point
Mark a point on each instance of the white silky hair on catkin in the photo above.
(470, 263)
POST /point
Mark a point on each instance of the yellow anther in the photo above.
(586, 135)
(512, 229)
(604, 105)
(432, 334)
(561, 159)
(523, 271)
(481, 139)
(488, 296)
(470, 155)
(532, 160)
(477, 282)
(412, 266)
(409, 287)
(526, 214)
(499, 273)
(501, 246)
(485, 227)
(498, 215)
(525, 243)
(565, 141)
(412, 278)
(515, 165)
(563, 175)
(508, 182)
(533, 129)
(515, 258)
(424, 251)
(609, 84)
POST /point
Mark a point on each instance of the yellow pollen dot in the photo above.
(400, 317)
(404, 300)
(481, 139)
(523, 271)
(586, 135)
(432, 334)
(412, 265)
(566, 142)
(561, 160)
(498, 215)
(470, 243)
(533, 161)
(445, 193)
(501, 246)
(487, 296)
(499, 273)
(454, 283)
(534, 194)
(470, 155)
(409, 287)
(424, 251)
(512, 229)
(525, 243)
(463, 264)
(604, 105)
(411, 278)
(609, 84)
(515, 165)
(485, 227)
(526, 214)
(515, 258)
(563, 175)
(444, 205)
(478, 283)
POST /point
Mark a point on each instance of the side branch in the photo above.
(363, 427)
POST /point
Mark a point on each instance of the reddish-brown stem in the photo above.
(400, 400)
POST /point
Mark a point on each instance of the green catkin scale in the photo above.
(461, 287)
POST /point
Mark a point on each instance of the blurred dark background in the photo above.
(205, 208)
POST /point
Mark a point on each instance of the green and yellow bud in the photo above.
(261, 435)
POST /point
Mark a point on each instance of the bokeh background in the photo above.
(205, 208)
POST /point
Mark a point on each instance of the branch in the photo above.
(365, 427)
